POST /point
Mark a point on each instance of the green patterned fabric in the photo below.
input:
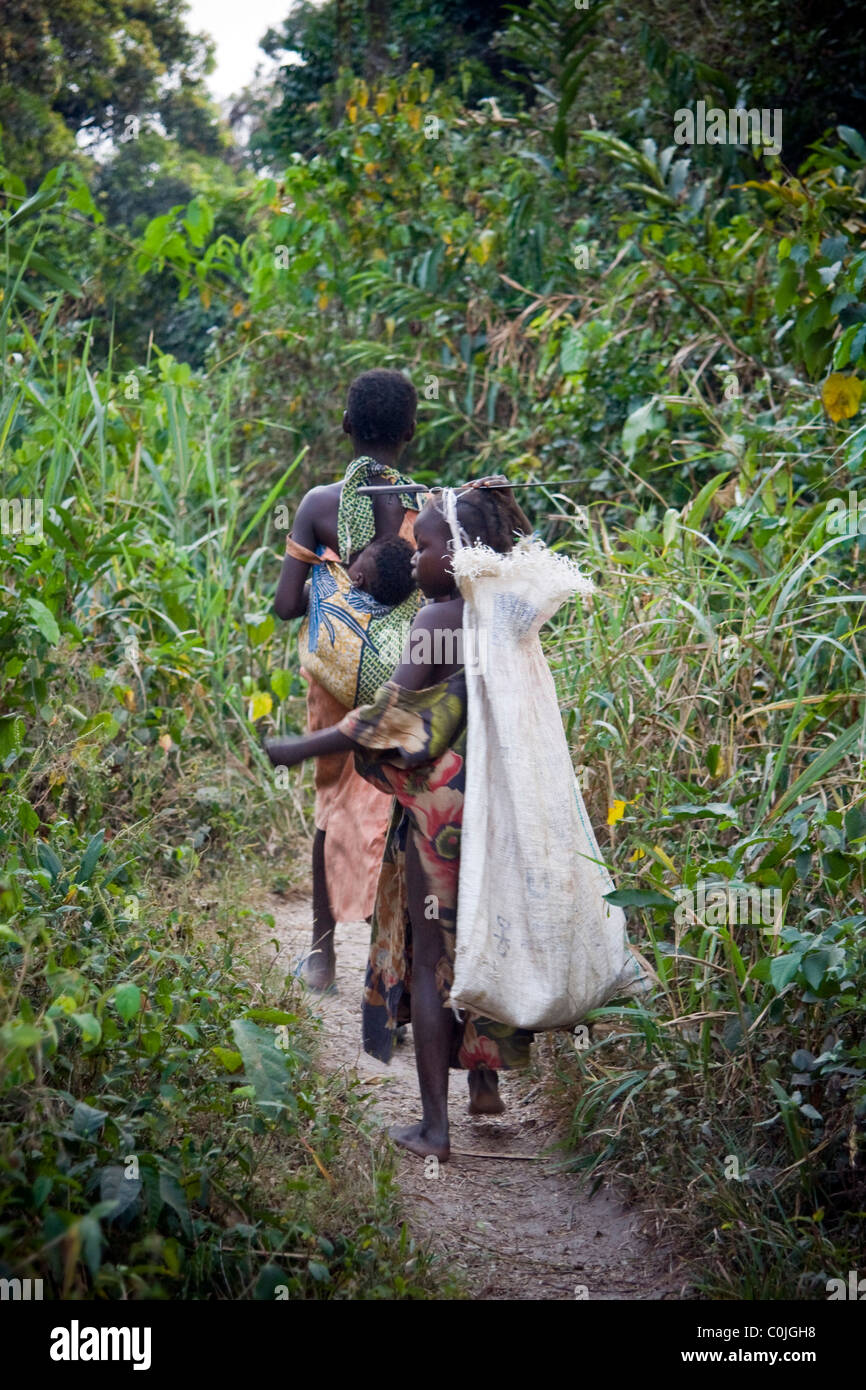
(355, 525)
(348, 642)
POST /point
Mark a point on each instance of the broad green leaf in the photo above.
(127, 997)
(42, 1189)
(11, 733)
(44, 620)
(271, 1277)
(90, 1234)
(639, 897)
(281, 683)
(264, 1063)
(20, 1035)
(720, 810)
(89, 858)
(815, 968)
(90, 1027)
(811, 1113)
(853, 139)
(86, 1119)
(782, 971)
(647, 419)
(696, 512)
(116, 1187)
(48, 859)
(273, 1016)
(232, 1061)
(174, 1196)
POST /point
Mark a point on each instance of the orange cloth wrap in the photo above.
(353, 812)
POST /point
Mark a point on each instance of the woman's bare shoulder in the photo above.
(316, 517)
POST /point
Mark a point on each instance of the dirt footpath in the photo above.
(499, 1213)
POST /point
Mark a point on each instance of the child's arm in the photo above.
(288, 752)
(425, 648)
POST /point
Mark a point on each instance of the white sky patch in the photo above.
(236, 26)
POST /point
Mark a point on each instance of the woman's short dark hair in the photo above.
(381, 407)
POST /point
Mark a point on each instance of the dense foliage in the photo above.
(682, 331)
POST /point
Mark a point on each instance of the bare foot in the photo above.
(318, 970)
(418, 1140)
(484, 1097)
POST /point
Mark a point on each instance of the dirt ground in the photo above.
(501, 1214)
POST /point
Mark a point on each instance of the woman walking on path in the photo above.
(335, 523)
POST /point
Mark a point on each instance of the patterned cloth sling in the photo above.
(349, 642)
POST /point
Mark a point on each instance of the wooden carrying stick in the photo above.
(423, 487)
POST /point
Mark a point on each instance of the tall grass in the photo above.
(156, 1140)
(721, 695)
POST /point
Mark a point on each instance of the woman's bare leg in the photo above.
(432, 1025)
(484, 1097)
(320, 967)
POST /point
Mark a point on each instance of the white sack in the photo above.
(537, 945)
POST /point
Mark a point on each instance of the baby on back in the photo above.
(383, 569)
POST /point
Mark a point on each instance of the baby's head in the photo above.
(384, 570)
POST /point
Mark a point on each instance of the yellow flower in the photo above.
(841, 395)
(485, 246)
(260, 705)
(665, 858)
(616, 812)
